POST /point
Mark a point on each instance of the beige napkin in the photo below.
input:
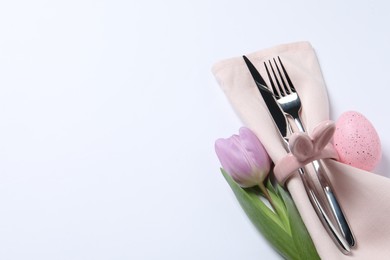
(364, 196)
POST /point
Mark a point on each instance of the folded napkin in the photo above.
(364, 196)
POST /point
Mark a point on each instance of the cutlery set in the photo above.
(284, 105)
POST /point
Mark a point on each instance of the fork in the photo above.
(289, 101)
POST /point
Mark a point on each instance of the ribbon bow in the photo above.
(306, 148)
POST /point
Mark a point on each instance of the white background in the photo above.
(109, 113)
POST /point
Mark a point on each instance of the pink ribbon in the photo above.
(306, 148)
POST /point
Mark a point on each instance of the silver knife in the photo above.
(281, 123)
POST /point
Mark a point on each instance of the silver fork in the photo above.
(288, 99)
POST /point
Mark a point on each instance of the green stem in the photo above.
(268, 197)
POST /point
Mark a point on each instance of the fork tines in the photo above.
(283, 85)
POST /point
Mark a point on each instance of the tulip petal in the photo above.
(232, 157)
(244, 158)
(255, 150)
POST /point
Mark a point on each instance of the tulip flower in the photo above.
(244, 158)
(246, 163)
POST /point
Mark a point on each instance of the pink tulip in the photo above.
(244, 158)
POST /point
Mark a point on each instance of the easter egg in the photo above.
(356, 141)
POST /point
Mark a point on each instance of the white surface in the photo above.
(109, 113)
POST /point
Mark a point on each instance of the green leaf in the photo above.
(264, 219)
(302, 240)
(284, 230)
(281, 210)
(278, 202)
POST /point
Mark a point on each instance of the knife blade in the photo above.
(280, 121)
(268, 96)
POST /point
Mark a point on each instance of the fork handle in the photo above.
(338, 238)
(333, 202)
(299, 124)
(329, 194)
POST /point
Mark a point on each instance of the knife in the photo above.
(281, 123)
(268, 96)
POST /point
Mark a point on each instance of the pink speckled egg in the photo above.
(356, 141)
